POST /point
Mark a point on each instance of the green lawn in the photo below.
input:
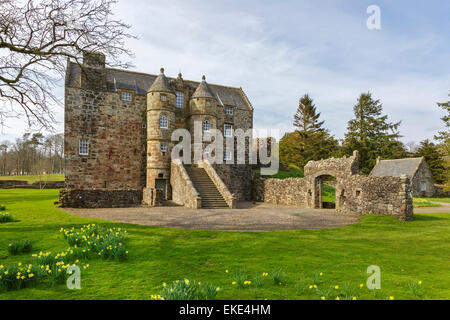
(424, 202)
(35, 178)
(328, 193)
(444, 200)
(406, 252)
(294, 172)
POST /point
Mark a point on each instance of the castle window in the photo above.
(229, 111)
(83, 147)
(180, 99)
(227, 155)
(126, 96)
(208, 103)
(163, 148)
(423, 186)
(206, 125)
(163, 97)
(163, 122)
(207, 151)
(228, 130)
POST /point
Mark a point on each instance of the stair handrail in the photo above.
(229, 197)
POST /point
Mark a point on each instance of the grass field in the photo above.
(406, 252)
(34, 178)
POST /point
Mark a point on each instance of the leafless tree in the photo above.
(37, 38)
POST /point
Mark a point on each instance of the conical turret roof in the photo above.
(161, 84)
(203, 90)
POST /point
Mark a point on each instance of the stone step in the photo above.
(211, 197)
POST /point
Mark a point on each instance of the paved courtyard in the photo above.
(247, 217)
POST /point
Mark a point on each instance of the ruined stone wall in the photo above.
(423, 174)
(100, 198)
(288, 192)
(376, 195)
(336, 167)
(114, 129)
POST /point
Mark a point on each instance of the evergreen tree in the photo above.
(306, 119)
(310, 141)
(371, 134)
(444, 138)
(433, 157)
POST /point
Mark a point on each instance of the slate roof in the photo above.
(141, 82)
(161, 84)
(396, 168)
(203, 90)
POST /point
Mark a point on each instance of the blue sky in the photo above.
(280, 50)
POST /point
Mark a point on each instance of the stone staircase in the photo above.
(211, 197)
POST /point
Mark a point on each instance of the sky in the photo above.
(278, 51)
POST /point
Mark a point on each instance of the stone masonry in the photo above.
(354, 194)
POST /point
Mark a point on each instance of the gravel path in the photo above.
(247, 217)
(444, 208)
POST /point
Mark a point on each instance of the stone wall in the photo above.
(354, 194)
(376, 195)
(183, 190)
(288, 192)
(424, 174)
(12, 183)
(238, 179)
(100, 198)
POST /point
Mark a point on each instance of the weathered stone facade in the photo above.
(100, 198)
(118, 113)
(354, 193)
(422, 182)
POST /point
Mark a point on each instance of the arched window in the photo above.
(163, 122)
(206, 125)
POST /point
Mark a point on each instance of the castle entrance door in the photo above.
(160, 184)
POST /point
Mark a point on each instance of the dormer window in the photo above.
(180, 99)
(229, 111)
(163, 148)
(163, 122)
(163, 97)
(126, 96)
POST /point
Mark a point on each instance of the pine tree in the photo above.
(434, 159)
(310, 141)
(444, 138)
(306, 119)
(371, 134)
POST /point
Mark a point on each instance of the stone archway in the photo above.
(331, 182)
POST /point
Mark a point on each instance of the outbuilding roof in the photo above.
(396, 168)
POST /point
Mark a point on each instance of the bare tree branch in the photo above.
(37, 37)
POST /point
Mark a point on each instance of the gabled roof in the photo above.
(203, 90)
(141, 82)
(396, 168)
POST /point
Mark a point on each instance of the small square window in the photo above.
(208, 103)
(229, 111)
(228, 130)
(180, 99)
(126, 96)
(423, 186)
(83, 147)
(163, 148)
(163, 97)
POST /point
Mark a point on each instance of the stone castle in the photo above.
(118, 127)
(118, 146)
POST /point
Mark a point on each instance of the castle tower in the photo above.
(202, 108)
(161, 100)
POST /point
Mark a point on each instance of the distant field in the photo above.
(34, 178)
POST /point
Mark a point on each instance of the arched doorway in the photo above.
(325, 192)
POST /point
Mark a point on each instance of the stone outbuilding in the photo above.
(422, 182)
